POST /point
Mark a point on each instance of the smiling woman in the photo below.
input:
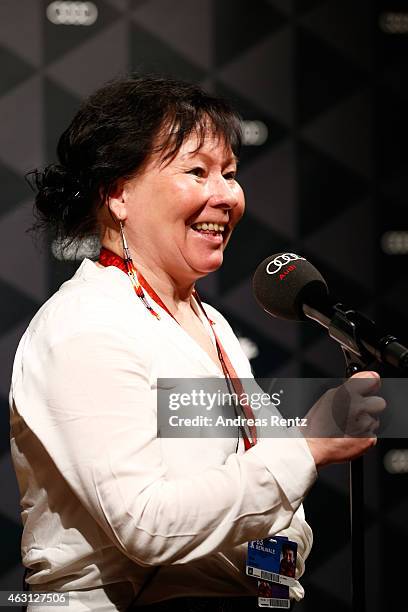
(113, 514)
(181, 205)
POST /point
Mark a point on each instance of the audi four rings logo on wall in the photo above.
(72, 13)
(280, 261)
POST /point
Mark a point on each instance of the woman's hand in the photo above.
(343, 422)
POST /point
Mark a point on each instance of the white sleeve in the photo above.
(89, 400)
(299, 531)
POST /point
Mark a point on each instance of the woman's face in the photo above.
(166, 203)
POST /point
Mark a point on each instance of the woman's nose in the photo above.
(224, 193)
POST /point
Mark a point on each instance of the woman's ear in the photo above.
(116, 201)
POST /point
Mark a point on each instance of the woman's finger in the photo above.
(364, 383)
(374, 404)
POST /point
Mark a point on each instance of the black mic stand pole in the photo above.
(349, 327)
(356, 488)
(343, 329)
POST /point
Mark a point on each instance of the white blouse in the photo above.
(104, 501)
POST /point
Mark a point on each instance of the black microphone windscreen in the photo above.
(285, 281)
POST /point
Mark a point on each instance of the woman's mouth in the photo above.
(209, 228)
(210, 231)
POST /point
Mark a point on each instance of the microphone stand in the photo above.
(356, 488)
(363, 347)
(343, 329)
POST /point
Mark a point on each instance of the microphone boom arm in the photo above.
(358, 336)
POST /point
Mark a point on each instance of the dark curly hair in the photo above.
(113, 133)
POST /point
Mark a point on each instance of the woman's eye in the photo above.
(197, 171)
(230, 176)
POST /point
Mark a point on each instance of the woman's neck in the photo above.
(175, 295)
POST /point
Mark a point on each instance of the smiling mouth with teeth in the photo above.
(208, 227)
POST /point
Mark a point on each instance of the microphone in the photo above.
(287, 286)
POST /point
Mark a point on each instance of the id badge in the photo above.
(271, 595)
(272, 559)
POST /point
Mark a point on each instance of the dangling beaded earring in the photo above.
(124, 243)
(131, 270)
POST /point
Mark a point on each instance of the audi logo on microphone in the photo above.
(281, 260)
(72, 13)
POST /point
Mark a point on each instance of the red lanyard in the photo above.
(108, 258)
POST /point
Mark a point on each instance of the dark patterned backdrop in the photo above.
(321, 86)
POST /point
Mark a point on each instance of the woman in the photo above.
(112, 514)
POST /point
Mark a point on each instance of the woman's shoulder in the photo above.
(93, 299)
(93, 319)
